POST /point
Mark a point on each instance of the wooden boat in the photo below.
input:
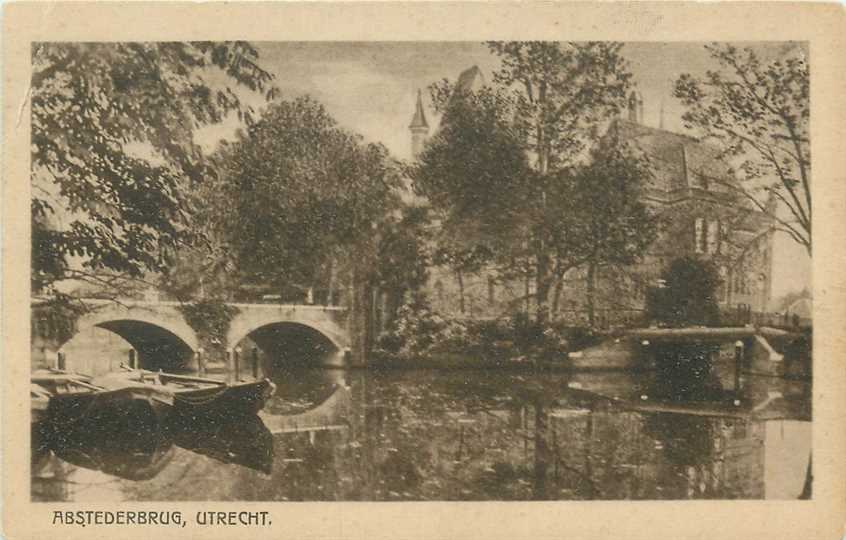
(197, 397)
(82, 410)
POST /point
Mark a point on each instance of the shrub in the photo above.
(418, 330)
(689, 294)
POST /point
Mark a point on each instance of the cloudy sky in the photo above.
(370, 88)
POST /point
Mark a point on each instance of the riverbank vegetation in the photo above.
(419, 334)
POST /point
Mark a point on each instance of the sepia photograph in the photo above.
(420, 271)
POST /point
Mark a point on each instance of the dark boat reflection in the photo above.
(127, 443)
(243, 440)
(138, 452)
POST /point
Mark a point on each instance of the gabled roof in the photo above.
(680, 162)
(685, 168)
(419, 119)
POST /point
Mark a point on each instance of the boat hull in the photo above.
(233, 400)
(99, 430)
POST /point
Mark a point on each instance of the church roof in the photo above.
(419, 119)
(679, 162)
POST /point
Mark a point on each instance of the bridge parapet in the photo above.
(160, 326)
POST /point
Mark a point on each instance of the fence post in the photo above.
(738, 364)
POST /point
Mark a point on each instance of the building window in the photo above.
(491, 290)
(713, 239)
(723, 289)
(729, 283)
(699, 235)
(724, 234)
(741, 284)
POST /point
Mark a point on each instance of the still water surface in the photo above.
(335, 435)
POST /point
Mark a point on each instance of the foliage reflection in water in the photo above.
(471, 435)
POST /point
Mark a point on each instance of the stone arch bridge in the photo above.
(162, 337)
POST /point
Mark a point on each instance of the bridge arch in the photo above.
(281, 333)
(161, 337)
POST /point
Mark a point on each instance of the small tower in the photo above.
(419, 127)
(635, 107)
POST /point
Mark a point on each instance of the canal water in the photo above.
(357, 435)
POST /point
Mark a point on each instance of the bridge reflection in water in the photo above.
(472, 435)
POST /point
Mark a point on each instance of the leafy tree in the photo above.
(467, 167)
(759, 112)
(306, 197)
(462, 260)
(689, 294)
(604, 222)
(561, 93)
(502, 168)
(113, 150)
(404, 256)
(474, 172)
(205, 267)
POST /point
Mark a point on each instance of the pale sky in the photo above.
(370, 88)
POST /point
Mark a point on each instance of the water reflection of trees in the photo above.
(466, 438)
(425, 436)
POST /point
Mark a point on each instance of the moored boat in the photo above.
(81, 408)
(196, 397)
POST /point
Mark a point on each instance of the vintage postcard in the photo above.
(423, 270)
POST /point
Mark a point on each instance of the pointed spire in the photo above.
(419, 120)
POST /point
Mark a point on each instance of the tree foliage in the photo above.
(113, 150)
(688, 296)
(304, 196)
(476, 176)
(474, 159)
(759, 112)
(561, 92)
(602, 219)
(508, 169)
(209, 318)
(561, 95)
(404, 255)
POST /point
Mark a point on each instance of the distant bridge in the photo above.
(162, 337)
